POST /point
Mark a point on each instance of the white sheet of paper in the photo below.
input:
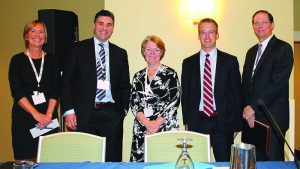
(103, 84)
(35, 132)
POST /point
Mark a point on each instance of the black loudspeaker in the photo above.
(62, 30)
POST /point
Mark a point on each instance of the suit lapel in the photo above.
(197, 73)
(92, 57)
(252, 59)
(195, 65)
(218, 75)
(112, 68)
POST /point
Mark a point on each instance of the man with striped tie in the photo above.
(96, 87)
(211, 92)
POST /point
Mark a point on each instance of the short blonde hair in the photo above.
(160, 44)
(28, 27)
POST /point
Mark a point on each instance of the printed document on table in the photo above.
(36, 131)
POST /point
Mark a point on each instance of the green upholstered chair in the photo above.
(164, 146)
(71, 147)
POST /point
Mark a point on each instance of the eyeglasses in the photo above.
(210, 32)
(260, 23)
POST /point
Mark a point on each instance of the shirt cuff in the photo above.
(71, 111)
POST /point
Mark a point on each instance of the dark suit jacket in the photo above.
(80, 80)
(227, 92)
(270, 81)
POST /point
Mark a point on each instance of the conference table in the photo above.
(130, 165)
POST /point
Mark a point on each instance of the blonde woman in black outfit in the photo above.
(34, 79)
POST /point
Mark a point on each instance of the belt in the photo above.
(211, 116)
(100, 104)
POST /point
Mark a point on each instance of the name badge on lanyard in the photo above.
(103, 84)
(148, 111)
(37, 97)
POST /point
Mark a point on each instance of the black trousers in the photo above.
(221, 143)
(107, 122)
(220, 139)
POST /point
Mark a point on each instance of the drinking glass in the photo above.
(23, 165)
(184, 160)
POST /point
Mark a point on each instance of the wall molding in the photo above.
(296, 36)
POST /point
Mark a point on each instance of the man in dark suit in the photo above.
(96, 87)
(266, 74)
(211, 92)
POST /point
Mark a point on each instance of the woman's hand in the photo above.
(152, 126)
(42, 119)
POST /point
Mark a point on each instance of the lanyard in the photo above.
(37, 76)
(147, 86)
(148, 89)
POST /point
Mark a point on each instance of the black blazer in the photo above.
(80, 81)
(270, 81)
(227, 92)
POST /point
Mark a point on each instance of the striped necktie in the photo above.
(101, 75)
(258, 56)
(258, 53)
(208, 104)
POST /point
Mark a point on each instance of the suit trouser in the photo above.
(107, 122)
(220, 140)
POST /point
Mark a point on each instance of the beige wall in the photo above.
(296, 15)
(297, 94)
(134, 20)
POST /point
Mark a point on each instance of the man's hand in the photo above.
(247, 112)
(249, 115)
(70, 121)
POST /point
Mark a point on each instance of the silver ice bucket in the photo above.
(242, 156)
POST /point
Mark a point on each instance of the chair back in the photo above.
(71, 147)
(165, 146)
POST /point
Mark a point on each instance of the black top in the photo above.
(23, 81)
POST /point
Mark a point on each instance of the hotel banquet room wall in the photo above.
(134, 20)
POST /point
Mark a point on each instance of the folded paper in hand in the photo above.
(36, 131)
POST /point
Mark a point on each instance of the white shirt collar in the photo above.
(212, 53)
(265, 42)
(97, 42)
